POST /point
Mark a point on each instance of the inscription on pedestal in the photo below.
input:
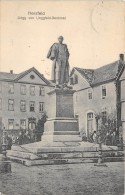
(61, 103)
(61, 124)
(64, 106)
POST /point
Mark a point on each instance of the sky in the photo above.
(94, 32)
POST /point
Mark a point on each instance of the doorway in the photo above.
(31, 124)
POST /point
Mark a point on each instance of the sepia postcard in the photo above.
(62, 97)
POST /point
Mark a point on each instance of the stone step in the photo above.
(53, 149)
(65, 155)
(63, 119)
(62, 133)
(23, 155)
(61, 138)
(62, 147)
(63, 161)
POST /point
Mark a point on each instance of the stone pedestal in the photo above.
(5, 165)
(61, 125)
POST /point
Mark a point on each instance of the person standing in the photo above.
(120, 135)
(94, 137)
(20, 138)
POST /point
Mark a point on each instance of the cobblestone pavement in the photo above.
(68, 179)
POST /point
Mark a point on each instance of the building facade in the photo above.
(23, 99)
(96, 93)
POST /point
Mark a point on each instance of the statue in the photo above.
(59, 54)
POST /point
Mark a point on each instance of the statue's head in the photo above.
(60, 39)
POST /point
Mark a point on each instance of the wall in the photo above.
(122, 79)
(17, 115)
(83, 105)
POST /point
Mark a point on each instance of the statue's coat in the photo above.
(53, 55)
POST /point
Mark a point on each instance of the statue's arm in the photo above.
(49, 53)
(52, 52)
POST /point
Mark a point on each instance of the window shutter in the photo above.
(71, 81)
(75, 79)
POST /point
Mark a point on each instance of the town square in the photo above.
(62, 121)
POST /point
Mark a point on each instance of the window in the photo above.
(10, 105)
(32, 106)
(32, 126)
(71, 81)
(41, 107)
(11, 88)
(23, 105)
(32, 123)
(0, 104)
(32, 90)
(90, 115)
(89, 94)
(103, 92)
(75, 79)
(32, 76)
(104, 114)
(11, 124)
(22, 124)
(23, 89)
(41, 91)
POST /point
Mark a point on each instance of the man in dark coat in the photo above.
(59, 54)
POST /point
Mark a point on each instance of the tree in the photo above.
(106, 122)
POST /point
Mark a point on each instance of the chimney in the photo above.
(11, 71)
(121, 58)
(120, 61)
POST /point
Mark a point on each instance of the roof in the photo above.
(106, 73)
(15, 77)
(7, 76)
(87, 73)
(103, 74)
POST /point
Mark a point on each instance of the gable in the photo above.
(99, 75)
(32, 77)
(82, 83)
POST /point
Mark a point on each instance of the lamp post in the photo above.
(100, 157)
(100, 160)
(5, 165)
(4, 144)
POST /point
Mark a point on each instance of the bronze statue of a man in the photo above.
(59, 54)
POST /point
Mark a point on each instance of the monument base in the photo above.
(60, 130)
(61, 125)
(41, 153)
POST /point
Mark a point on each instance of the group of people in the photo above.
(111, 138)
(114, 137)
(24, 137)
(93, 137)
